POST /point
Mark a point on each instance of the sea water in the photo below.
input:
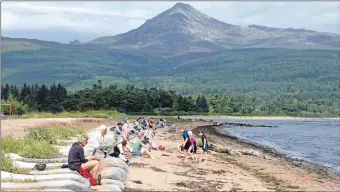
(315, 140)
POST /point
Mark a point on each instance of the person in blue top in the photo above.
(187, 143)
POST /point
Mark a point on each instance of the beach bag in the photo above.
(40, 166)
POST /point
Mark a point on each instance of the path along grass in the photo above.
(38, 143)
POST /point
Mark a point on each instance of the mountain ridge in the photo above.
(182, 29)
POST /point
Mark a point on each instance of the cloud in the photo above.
(110, 18)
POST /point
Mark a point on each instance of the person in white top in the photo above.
(97, 137)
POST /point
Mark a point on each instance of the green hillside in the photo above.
(17, 45)
(75, 66)
(258, 70)
(264, 72)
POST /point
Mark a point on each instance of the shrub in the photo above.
(41, 134)
(19, 108)
(28, 147)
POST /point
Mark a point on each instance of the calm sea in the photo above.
(316, 140)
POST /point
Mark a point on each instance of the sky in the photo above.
(65, 21)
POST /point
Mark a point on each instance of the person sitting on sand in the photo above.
(137, 126)
(144, 123)
(187, 143)
(127, 152)
(77, 161)
(149, 134)
(97, 137)
(126, 149)
(140, 147)
(120, 135)
(204, 146)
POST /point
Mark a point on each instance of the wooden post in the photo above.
(10, 109)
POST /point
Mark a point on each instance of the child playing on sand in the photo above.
(193, 147)
(193, 143)
(204, 146)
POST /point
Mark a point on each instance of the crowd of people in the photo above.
(130, 140)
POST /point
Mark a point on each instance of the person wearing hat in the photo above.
(204, 146)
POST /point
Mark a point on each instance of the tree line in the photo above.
(132, 100)
(129, 99)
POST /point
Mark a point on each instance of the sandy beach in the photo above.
(222, 172)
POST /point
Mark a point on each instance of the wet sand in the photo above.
(223, 172)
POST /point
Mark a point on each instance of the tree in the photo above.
(4, 91)
(42, 98)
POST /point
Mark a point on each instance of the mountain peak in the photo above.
(75, 42)
(183, 29)
(182, 5)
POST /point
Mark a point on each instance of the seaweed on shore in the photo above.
(241, 124)
(157, 169)
(312, 167)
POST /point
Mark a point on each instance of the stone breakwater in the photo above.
(114, 173)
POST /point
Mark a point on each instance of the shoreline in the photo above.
(219, 117)
(318, 168)
(224, 170)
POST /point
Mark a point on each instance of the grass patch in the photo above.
(6, 165)
(28, 147)
(37, 144)
(75, 114)
(55, 133)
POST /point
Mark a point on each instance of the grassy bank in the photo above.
(75, 114)
(38, 143)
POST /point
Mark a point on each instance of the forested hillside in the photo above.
(271, 81)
